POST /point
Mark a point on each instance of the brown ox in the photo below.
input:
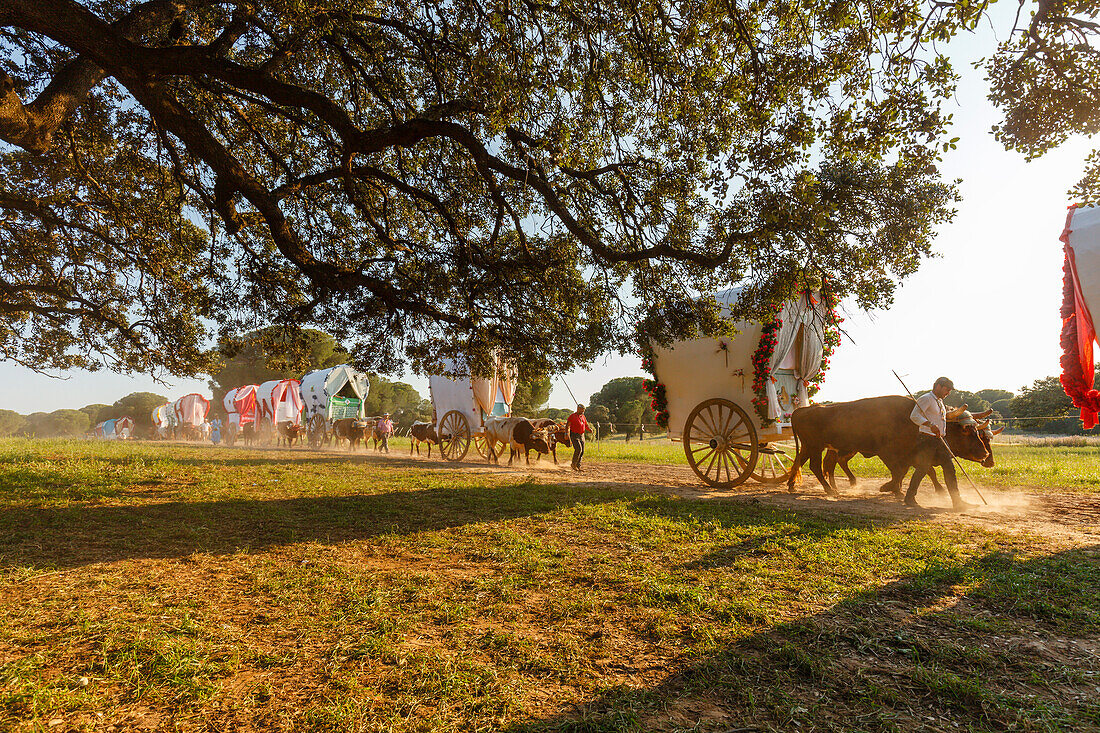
(876, 426)
(555, 433)
(287, 432)
(959, 420)
(351, 430)
(518, 434)
(422, 432)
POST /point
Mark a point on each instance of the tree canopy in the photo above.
(449, 180)
(272, 353)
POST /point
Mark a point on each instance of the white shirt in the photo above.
(929, 408)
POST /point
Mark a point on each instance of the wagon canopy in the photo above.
(700, 369)
(474, 397)
(191, 409)
(336, 392)
(124, 428)
(281, 400)
(163, 419)
(1080, 309)
(240, 404)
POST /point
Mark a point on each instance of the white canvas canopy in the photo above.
(319, 388)
(700, 369)
(282, 399)
(191, 409)
(1083, 231)
(240, 404)
(124, 428)
(162, 416)
(474, 397)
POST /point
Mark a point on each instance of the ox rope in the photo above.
(945, 445)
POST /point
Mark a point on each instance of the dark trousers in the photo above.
(933, 452)
(577, 439)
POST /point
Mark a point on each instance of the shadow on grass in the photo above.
(994, 643)
(70, 536)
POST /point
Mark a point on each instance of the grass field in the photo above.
(189, 588)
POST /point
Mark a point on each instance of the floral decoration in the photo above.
(1075, 382)
(658, 395)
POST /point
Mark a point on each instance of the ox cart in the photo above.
(1081, 309)
(241, 410)
(191, 411)
(328, 395)
(280, 401)
(461, 403)
(729, 400)
(164, 421)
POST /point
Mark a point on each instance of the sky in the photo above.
(985, 312)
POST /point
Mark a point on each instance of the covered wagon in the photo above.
(460, 404)
(241, 406)
(280, 402)
(1080, 309)
(190, 411)
(164, 421)
(124, 428)
(331, 394)
(729, 400)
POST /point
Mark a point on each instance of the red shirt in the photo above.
(577, 424)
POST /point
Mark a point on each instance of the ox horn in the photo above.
(953, 413)
(983, 415)
(983, 425)
(999, 430)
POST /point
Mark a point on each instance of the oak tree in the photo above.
(431, 179)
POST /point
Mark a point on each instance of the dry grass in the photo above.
(187, 588)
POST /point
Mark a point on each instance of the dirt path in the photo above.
(1060, 517)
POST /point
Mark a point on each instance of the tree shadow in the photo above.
(1018, 649)
(72, 536)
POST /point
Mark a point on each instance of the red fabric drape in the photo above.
(1078, 333)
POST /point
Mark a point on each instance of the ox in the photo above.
(958, 423)
(351, 430)
(518, 434)
(877, 426)
(422, 432)
(287, 432)
(556, 433)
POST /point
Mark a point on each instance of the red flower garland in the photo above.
(1078, 385)
(656, 389)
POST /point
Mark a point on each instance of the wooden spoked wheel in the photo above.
(454, 436)
(720, 441)
(317, 427)
(775, 463)
(481, 445)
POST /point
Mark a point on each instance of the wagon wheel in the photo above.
(481, 445)
(720, 441)
(454, 436)
(318, 431)
(774, 465)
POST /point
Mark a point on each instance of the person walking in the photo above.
(578, 426)
(385, 429)
(930, 416)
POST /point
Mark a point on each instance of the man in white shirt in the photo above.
(930, 416)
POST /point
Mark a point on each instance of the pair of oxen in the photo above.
(518, 434)
(826, 435)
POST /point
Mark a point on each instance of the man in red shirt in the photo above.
(578, 426)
